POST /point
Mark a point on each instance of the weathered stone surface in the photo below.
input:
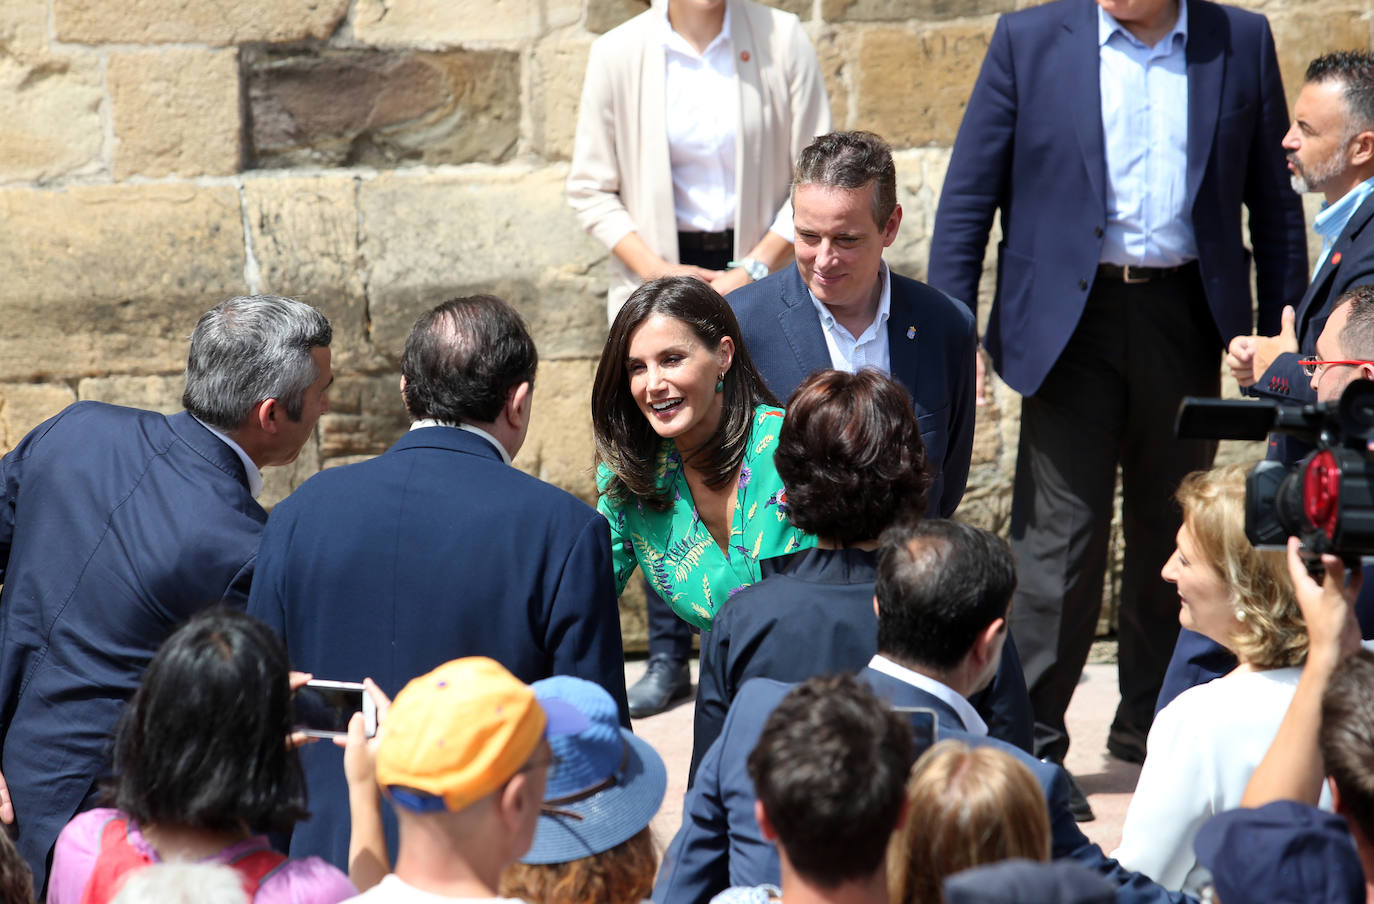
(24, 29)
(176, 112)
(366, 415)
(1300, 36)
(901, 10)
(277, 483)
(834, 51)
(430, 23)
(24, 406)
(304, 235)
(428, 237)
(103, 280)
(51, 114)
(912, 87)
(374, 108)
(634, 623)
(559, 447)
(556, 73)
(151, 393)
(603, 15)
(195, 21)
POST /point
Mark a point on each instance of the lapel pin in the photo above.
(744, 56)
(1336, 259)
(911, 332)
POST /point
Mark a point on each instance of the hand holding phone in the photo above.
(321, 709)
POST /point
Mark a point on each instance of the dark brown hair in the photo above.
(851, 456)
(1347, 737)
(625, 441)
(622, 875)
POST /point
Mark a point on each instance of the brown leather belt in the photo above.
(1133, 275)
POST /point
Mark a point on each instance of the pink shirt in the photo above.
(308, 881)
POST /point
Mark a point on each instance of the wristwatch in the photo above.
(756, 269)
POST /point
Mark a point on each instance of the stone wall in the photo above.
(374, 157)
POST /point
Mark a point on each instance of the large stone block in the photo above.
(176, 21)
(277, 483)
(161, 394)
(375, 108)
(1299, 36)
(24, 406)
(603, 15)
(912, 87)
(559, 448)
(111, 279)
(835, 50)
(24, 29)
(430, 236)
(304, 235)
(176, 112)
(918, 10)
(445, 23)
(556, 76)
(51, 114)
(366, 415)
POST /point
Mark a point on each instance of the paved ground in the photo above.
(1107, 781)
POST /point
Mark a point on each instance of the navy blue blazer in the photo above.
(812, 613)
(719, 844)
(435, 549)
(1031, 147)
(1350, 264)
(116, 525)
(931, 339)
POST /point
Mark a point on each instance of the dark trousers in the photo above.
(1110, 399)
(669, 634)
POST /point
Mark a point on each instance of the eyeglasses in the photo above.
(1314, 366)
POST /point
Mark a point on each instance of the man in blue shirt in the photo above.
(1118, 141)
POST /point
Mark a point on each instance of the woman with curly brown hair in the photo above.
(1205, 744)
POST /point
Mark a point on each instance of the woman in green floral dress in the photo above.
(685, 432)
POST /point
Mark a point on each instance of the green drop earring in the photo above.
(720, 383)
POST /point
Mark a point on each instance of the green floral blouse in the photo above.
(676, 550)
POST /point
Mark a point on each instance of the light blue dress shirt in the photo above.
(1330, 223)
(1144, 93)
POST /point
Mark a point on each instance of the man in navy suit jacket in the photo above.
(943, 590)
(116, 525)
(1119, 142)
(840, 306)
(439, 548)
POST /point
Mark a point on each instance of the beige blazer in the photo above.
(621, 181)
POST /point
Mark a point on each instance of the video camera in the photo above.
(1327, 499)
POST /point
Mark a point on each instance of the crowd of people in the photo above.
(783, 429)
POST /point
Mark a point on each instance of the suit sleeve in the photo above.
(977, 176)
(1284, 381)
(267, 595)
(11, 470)
(593, 186)
(1277, 231)
(697, 863)
(713, 700)
(584, 616)
(962, 414)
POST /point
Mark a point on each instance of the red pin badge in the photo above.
(744, 56)
(1336, 259)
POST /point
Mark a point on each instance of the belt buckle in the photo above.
(1130, 280)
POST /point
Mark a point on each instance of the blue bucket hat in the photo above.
(607, 785)
(1281, 852)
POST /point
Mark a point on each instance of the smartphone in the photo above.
(321, 709)
(923, 726)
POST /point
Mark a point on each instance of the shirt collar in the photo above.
(249, 466)
(884, 304)
(1108, 26)
(674, 41)
(973, 723)
(1332, 219)
(433, 422)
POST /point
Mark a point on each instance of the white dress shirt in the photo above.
(431, 422)
(701, 94)
(869, 348)
(249, 466)
(973, 723)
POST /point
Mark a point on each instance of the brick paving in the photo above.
(1107, 781)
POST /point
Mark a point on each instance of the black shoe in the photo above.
(665, 679)
(1079, 807)
(1127, 746)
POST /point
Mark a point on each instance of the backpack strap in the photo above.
(255, 866)
(117, 858)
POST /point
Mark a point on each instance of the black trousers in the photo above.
(669, 634)
(1110, 399)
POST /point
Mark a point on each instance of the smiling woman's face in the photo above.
(1204, 596)
(673, 379)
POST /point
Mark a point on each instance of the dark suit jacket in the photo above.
(930, 340)
(719, 844)
(1350, 264)
(812, 613)
(1031, 147)
(116, 525)
(434, 550)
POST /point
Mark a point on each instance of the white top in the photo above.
(700, 90)
(393, 889)
(973, 723)
(870, 348)
(1200, 754)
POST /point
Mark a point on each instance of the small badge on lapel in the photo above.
(744, 56)
(1336, 259)
(911, 332)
